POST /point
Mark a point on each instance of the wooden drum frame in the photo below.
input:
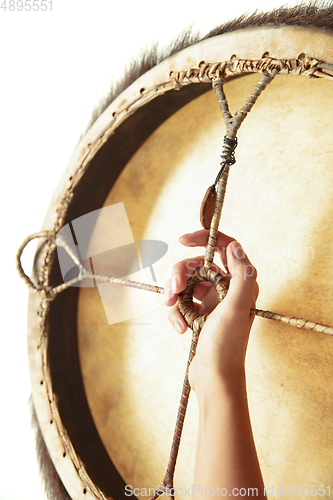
(62, 352)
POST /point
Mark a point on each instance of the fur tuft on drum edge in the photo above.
(312, 15)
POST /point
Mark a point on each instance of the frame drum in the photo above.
(106, 390)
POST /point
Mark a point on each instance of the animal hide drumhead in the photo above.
(106, 366)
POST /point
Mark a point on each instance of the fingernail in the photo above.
(178, 326)
(167, 294)
(175, 283)
(237, 250)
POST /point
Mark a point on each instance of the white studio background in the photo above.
(54, 68)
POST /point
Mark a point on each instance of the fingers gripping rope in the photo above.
(194, 320)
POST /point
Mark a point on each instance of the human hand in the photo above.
(223, 340)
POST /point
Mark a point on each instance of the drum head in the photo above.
(107, 368)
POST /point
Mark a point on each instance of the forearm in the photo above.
(226, 456)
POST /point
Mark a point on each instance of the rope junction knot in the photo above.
(228, 155)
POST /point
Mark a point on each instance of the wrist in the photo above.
(220, 388)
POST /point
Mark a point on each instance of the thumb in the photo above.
(243, 278)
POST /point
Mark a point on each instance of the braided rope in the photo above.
(298, 322)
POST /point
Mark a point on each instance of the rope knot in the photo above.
(228, 151)
(227, 156)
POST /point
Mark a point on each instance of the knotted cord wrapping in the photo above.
(228, 155)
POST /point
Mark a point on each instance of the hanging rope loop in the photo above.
(49, 293)
(42, 292)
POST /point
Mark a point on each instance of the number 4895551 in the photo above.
(305, 490)
(34, 5)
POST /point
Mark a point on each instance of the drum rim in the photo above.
(156, 83)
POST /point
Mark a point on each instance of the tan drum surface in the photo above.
(279, 205)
